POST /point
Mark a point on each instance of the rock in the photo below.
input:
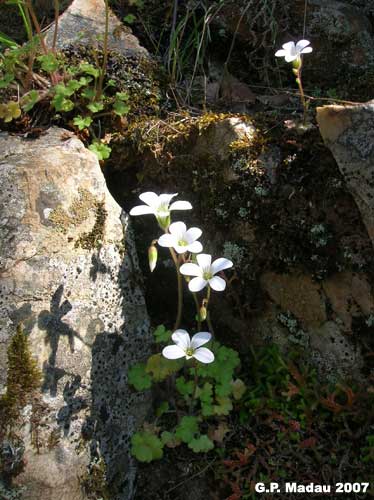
(297, 294)
(349, 295)
(69, 274)
(218, 137)
(348, 131)
(336, 27)
(334, 353)
(84, 22)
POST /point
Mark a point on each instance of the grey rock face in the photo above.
(69, 274)
(84, 22)
(348, 132)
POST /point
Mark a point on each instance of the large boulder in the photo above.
(70, 276)
(348, 131)
(84, 22)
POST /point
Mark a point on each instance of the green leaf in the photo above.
(95, 107)
(170, 439)
(238, 388)
(139, 378)
(29, 100)
(162, 335)
(48, 62)
(122, 96)
(163, 408)
(60, 103)
(129, 19)
(10, 111)
(183, 387)
(89, 69)
(120, 108)
(205, 393)
(202, 444)
(187, 429)
(6, 40)
(146, 447)
(88, 93)
(224, 406)
(102, 151)
(4, 82)
(82, 122)
(73, 85)
(160, 367)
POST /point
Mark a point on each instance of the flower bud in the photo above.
(163, 222)
(152, 257)
(203, 313)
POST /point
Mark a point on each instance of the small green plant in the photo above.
(35, 72)
(202, 379)
(293, 53)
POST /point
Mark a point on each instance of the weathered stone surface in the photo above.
(334, 353)
(349, 295)
(69, 273)
(217, 138)
(84, 22)
(348, 131)
(297, 294)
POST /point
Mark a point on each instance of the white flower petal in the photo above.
(178, 229)
(200, 339)
(195, 247)
(301, 44)
(149, 198)
(167, 240)
(173, 352)
(190, 269)
(289, 47)
(204, 260)
(193, 234)
(307, 50)
(218, 284)
(290, 57)
(165, 199)
(180, 249)
(204, 355)
(197, 284)
(142, 210)
(280, 53)
(181, 338)
(220, 264)
(181, 205)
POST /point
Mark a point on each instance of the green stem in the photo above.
(302, 95)
(105, 53)
(180, 290)
(197, 311)
(208, 320)
(193, 395)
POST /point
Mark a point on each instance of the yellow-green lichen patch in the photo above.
(78, 212)
(94, 238)
(83, 206)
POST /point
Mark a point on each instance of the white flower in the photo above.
(205, 272)
(181, 239)
(159, 205)
(189, 348)
(292, 52)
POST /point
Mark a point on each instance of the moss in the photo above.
(23, 377)
(94, 482)
(164, 139)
